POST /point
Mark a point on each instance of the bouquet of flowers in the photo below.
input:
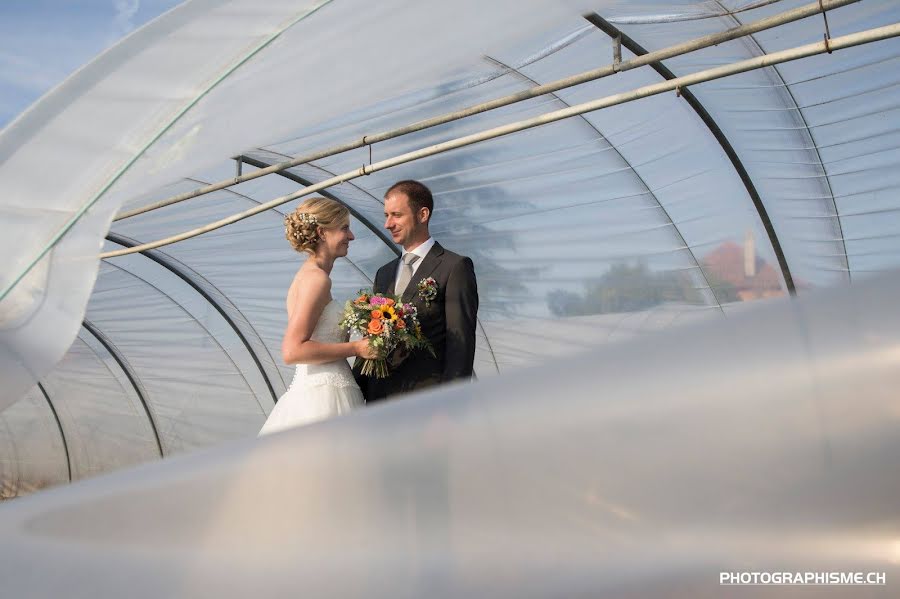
(388, 323)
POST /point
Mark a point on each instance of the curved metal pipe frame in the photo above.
(276, 211)
(129, 373)
(638, 50)
(209, 333)
(327, 194)
(59, 425)
(646, 188)
(180, 270)
(812, 139)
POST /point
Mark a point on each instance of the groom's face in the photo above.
(405, 226)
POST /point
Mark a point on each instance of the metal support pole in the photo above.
(847, 41)
(618, 66)
(720, 137)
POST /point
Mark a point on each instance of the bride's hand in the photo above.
(364, 350)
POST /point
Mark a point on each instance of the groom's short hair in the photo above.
(419, 195)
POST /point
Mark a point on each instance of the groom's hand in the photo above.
(396, 357)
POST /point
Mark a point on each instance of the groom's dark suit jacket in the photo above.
(448, 322)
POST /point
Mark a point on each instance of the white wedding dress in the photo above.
(318, 391)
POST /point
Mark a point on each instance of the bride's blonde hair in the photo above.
(301, 227)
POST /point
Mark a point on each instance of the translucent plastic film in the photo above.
(206, 81)
(767, 441)
(644, 216)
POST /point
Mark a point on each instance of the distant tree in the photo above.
(725, 291)
(625, 288)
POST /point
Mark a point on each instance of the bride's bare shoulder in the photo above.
(310, 280)
(310, 275)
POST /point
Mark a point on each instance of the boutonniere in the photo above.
(428, 290)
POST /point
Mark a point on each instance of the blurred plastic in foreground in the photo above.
(764, 442)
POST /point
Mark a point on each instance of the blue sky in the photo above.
(44, 41)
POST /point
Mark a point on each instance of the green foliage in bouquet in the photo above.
(388, 324)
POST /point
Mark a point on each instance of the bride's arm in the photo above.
(313, 294)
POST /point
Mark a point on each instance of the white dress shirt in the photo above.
(421, 252)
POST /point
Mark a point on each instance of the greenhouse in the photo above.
(684, 219)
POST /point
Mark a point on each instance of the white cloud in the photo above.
(41, 44)
(123, 22)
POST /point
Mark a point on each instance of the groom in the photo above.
(447, 308)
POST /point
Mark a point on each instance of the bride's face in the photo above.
(336, 241)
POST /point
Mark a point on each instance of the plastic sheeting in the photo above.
(593, 229)
(765, 442)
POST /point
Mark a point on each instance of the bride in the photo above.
(323, 384)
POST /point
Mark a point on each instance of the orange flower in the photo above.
(400, 324)
(377, 315)
(389, 301)
(363, 298)
(375, 327)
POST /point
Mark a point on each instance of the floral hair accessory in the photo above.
(428, 290)
(306, 233)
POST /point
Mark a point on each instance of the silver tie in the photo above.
(406, 272)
